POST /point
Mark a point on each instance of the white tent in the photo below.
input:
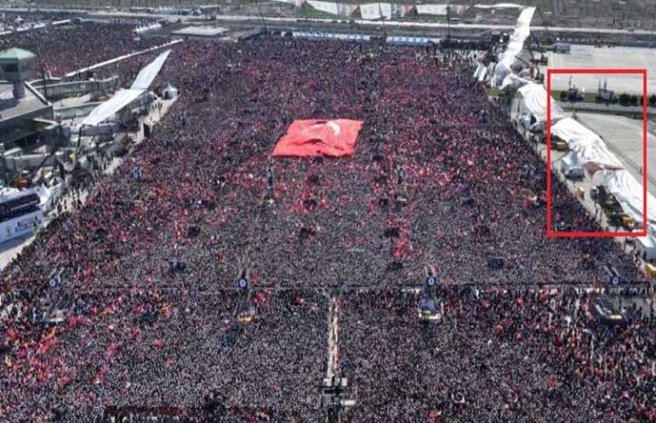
(480, 73)
(646, 245)
(534, 97)
(110, 107)
(336, 9)
(48, 196)
(170, 92)
(589, 146)
(124, 97)
(515, 45)
(629, 193)
(147, 75)
(572, 166)
(432, 9)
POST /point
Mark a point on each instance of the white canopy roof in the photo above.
(535, 99)
(515, 45)
(147, 75)
(110, 107)
(124, 97)
(629, 192)
(589, 146)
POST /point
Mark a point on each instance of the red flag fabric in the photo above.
(317, 138)
(593, 167)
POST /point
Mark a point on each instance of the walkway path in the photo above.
(333, 338)
(118, 59)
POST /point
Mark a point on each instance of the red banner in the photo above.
(315, 138)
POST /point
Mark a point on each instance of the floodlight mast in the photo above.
(259, 9)
(333, 398)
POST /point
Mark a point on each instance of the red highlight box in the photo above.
(575, 234)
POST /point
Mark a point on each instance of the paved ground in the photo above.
(585, 56)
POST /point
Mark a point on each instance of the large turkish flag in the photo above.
(315, 137)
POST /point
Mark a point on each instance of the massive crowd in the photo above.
(498, 356)
(149, 265)
(64, 49)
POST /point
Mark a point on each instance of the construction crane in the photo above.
(543, 60)
(545, 24)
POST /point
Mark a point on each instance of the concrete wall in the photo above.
(75, 88)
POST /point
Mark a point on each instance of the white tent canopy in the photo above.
(535, 98)
(515, 45)
(147, 75)
(110, 107)
(480, 72)
(432, 9)
(629, 193)
(124, 97)
(589, 146)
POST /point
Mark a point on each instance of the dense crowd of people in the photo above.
(64, 49)
(498, 356)
(148, 266)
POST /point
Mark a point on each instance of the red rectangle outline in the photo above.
(575, 234)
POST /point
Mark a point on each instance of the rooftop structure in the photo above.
(23, 110)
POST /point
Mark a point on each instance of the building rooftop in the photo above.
(17, 116)
(10, 107)
(15, 54)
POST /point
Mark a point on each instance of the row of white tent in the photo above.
(320, 35)
(375, 11)
(148, 27)
(587, 149)
(398, 40)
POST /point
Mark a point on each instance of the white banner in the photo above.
(374, 11)
(297, 3)
(499, 6)
(336, 9)
(441, 9)
(324, 6)
(432, 9)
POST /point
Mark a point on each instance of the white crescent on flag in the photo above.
(335, 127)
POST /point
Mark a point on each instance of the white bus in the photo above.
(19, 214)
